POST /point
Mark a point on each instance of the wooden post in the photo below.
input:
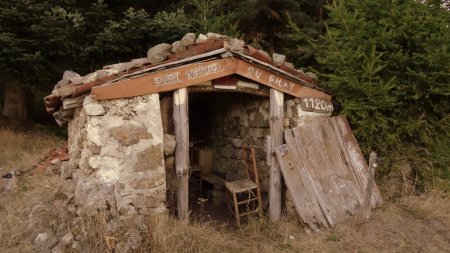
(181, 124)
(276, 139)
(370, 181)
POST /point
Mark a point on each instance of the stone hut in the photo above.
(134, 127)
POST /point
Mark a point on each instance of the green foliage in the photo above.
(170, 26)
(214, 16)
(388, 63)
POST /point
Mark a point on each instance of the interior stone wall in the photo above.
(117, 156)
(240, 119)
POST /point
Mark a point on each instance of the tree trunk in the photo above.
(14, 101)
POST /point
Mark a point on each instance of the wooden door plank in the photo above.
(344, 176)
(320, 183)
(346, 159)
(312, 189)
(358, 162)
(302, 201)
(322, 145)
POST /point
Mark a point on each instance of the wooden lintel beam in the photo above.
(166, 80)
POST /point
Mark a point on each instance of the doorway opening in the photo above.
(220, 123)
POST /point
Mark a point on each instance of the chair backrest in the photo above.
(249, 157)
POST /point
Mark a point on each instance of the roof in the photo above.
(189, 62)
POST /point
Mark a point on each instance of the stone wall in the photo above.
(240, 119)
(117, 156)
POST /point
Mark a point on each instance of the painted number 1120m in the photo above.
(315, 104)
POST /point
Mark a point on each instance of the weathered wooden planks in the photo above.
(194, 73)
(325, 171)
(166, 80)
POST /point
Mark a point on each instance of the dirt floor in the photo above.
(39, 202)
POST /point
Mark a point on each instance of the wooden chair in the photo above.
(244, 195)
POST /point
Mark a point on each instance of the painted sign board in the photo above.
(277, 82)
(194, 73)
(166, 80)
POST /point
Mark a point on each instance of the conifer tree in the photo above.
(388, 63)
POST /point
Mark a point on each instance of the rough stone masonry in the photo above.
(117, 156)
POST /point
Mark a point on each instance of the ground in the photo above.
(40, 203)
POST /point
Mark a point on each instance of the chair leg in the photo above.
(229, 200)
(259, 202)
(236, 209)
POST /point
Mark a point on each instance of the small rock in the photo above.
(289, 65)
(285, 122)
(67, 76)
(226, 55)
(9, 181)
(90, 77)
(76, 246)
(265, 54)
(177, 46)
(102, 73)
(213, 36)
(237, 45)
(201, 38)
(77, 80)
(140, 62)
(92, 107)
(291, 237)
(311, 75)
(43, 242)
(169, 144)
(120, 67)
(66, 240)
(54, 161)
(41, 238)
(66, 170)
(188, 39)
(237, 142)
(278, 59)
(159, 53)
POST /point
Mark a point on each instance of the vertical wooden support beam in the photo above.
(276, 139)
(181, 124)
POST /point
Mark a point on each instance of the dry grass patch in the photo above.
(22, 150)
(169, 235)
(408, 224)
(30, 209)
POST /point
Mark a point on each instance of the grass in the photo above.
(410, 223)
(22, 150)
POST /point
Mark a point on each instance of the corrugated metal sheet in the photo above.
(325, 171)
